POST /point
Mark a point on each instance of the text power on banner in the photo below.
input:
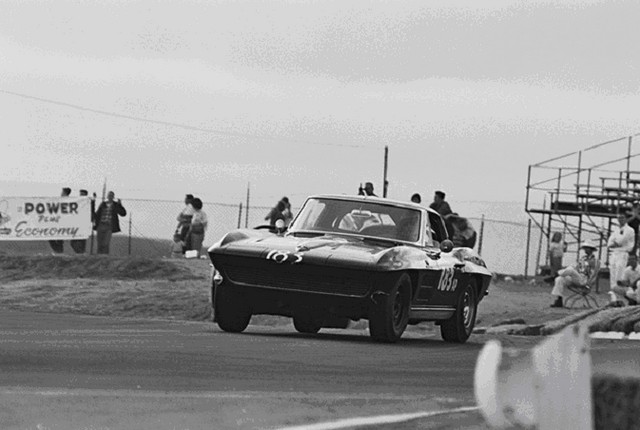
(43, 218)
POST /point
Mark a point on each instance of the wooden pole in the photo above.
(526, 261)
(481, 235)
(129, 247)
(246, 212)
(240, 215)
(385, 183)
(544, 207)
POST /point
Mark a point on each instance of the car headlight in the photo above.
(216, 276)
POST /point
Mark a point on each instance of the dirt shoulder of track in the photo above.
(179, 289)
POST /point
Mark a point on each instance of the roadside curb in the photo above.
(624, 320)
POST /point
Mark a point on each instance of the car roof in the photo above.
(374, 199)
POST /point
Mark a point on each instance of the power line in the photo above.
(178, 125)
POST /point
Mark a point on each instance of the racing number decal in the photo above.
(282, 256)
(447, 281)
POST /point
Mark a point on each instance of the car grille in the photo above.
(315, 279)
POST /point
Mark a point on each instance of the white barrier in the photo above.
(548, 387)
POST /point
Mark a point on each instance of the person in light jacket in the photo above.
(620, 243)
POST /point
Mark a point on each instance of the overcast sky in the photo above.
(300, 97)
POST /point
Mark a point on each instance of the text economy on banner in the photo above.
(45, 218)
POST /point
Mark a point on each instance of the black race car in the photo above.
(350, 258)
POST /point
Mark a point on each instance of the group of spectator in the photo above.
(104, 220)
(191, 228)
(460, 230)
(624, 273)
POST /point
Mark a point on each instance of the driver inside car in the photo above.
(409, 228)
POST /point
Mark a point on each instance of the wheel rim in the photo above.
(467, 310)
(398, 309)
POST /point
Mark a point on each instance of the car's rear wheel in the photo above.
(389, 314)
(232, 314)
(307, 324)
(458, 328)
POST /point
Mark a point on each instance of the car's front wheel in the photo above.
(458, 328)
(389, 314)
(231, 313)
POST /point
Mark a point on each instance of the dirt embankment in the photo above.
(14, 268)
(107, 286)
(180, 289)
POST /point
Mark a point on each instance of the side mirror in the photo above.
(446, 246)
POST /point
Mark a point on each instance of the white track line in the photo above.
(381, 419)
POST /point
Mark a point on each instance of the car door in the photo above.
(432, 276)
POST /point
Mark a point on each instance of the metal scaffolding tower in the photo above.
(581, 193)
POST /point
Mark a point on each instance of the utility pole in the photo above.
(385, 183)
(246, 220)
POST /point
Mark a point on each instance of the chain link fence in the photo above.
(147, 230)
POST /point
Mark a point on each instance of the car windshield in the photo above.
(357, 217)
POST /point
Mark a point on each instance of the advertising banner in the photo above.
(45, 218)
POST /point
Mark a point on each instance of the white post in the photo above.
(548, 387)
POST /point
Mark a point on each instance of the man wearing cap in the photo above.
(584, 274)
(620, 243)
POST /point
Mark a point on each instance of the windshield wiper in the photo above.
(306, 234)
(381, 239)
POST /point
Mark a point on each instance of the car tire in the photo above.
(231, 313)
(458, 328)
(389, 314)
(306, 324)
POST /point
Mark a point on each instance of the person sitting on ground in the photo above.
(584, 274)
(177, 247)
(627, 285)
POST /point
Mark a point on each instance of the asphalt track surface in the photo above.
(78, 372)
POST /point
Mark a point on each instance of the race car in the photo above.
(347, 258)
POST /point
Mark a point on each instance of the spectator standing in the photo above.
(557, 248)
(440, 205)
(633, 221)
(199, 224)
(627, 285)
(276, 213)
(58, 245)
(416, 198)
(620, 243)
(584, 274)
(286, 212)
(367, 190)
(107, 221)
(184, 221)
(79, 246)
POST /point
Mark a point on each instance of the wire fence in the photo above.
(147, 230)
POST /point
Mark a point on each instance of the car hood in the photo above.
(334, 250)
